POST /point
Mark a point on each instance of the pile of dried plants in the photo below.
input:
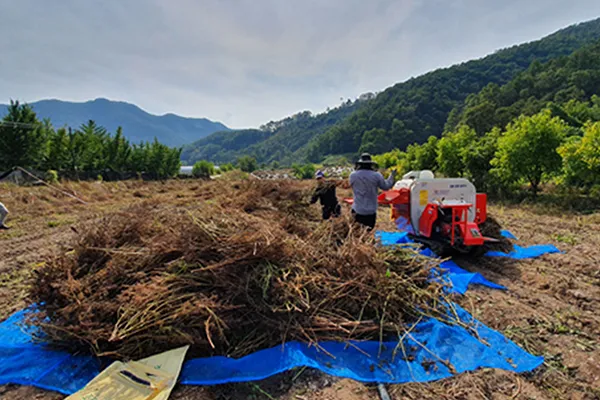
(250, 269)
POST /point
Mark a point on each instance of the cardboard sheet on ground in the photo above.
(152, 378)
(25, 362)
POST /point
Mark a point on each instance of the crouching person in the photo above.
(325, 193)
(3, 214)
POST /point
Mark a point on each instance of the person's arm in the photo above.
(315, 196)
(387, 184)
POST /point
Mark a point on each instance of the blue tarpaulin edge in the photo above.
(28, 363)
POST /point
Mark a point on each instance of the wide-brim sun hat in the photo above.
(365, 159)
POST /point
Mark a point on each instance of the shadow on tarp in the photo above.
(459, 278)
(27, 363)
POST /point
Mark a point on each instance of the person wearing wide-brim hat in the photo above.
(325, 193)
(365, 182)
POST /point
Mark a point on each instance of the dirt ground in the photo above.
(551, 307)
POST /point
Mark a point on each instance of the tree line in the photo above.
(530, 150)
(89, 150)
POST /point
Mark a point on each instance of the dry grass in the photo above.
(552, 306)
(251, 270)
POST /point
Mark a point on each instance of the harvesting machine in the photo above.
(444, 214)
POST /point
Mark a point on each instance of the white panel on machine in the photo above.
(425, 191)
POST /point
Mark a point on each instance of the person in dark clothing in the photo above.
(325, 193)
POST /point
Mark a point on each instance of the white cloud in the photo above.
(249, 61)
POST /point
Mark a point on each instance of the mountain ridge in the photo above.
(138, 125)
(404, 113)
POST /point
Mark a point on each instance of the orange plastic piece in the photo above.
(428, 217)
(401, 196)
(480, 208)
(471, 234)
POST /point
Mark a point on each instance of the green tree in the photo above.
(581, 157)
(117, 152)
(23, 138)
(247, 164)
(138, 162)
(477, 157)
(390, 159)
(423, 156)
(528, 149)
(58, 151)
(161, 161)
(76, 150)
(375, 141)
(95, 138)
(203, 169)
(451, 148)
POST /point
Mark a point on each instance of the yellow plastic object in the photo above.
(152, 378)
(423, 198)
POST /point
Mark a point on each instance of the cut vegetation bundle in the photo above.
(229, 280)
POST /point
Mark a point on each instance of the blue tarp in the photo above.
(508, 234)
(521, 253)
(443, 342)
(459, 278)
(23, 361)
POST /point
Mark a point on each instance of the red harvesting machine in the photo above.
(444, 214)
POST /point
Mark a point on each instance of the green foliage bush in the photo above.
(581, 157)
(390, 159)
(306, 171)
(247, 164)
(52, 176)
(226, 167)
(203, 169)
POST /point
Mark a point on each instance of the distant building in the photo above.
(185, 170)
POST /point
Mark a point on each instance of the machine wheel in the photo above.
(439, 248)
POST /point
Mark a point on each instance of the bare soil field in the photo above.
(551, 307)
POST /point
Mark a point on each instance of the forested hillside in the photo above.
(542, 126)
(403, 114)
(574, 77)
(412, 111)
(280, 141)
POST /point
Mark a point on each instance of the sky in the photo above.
(247, 62)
